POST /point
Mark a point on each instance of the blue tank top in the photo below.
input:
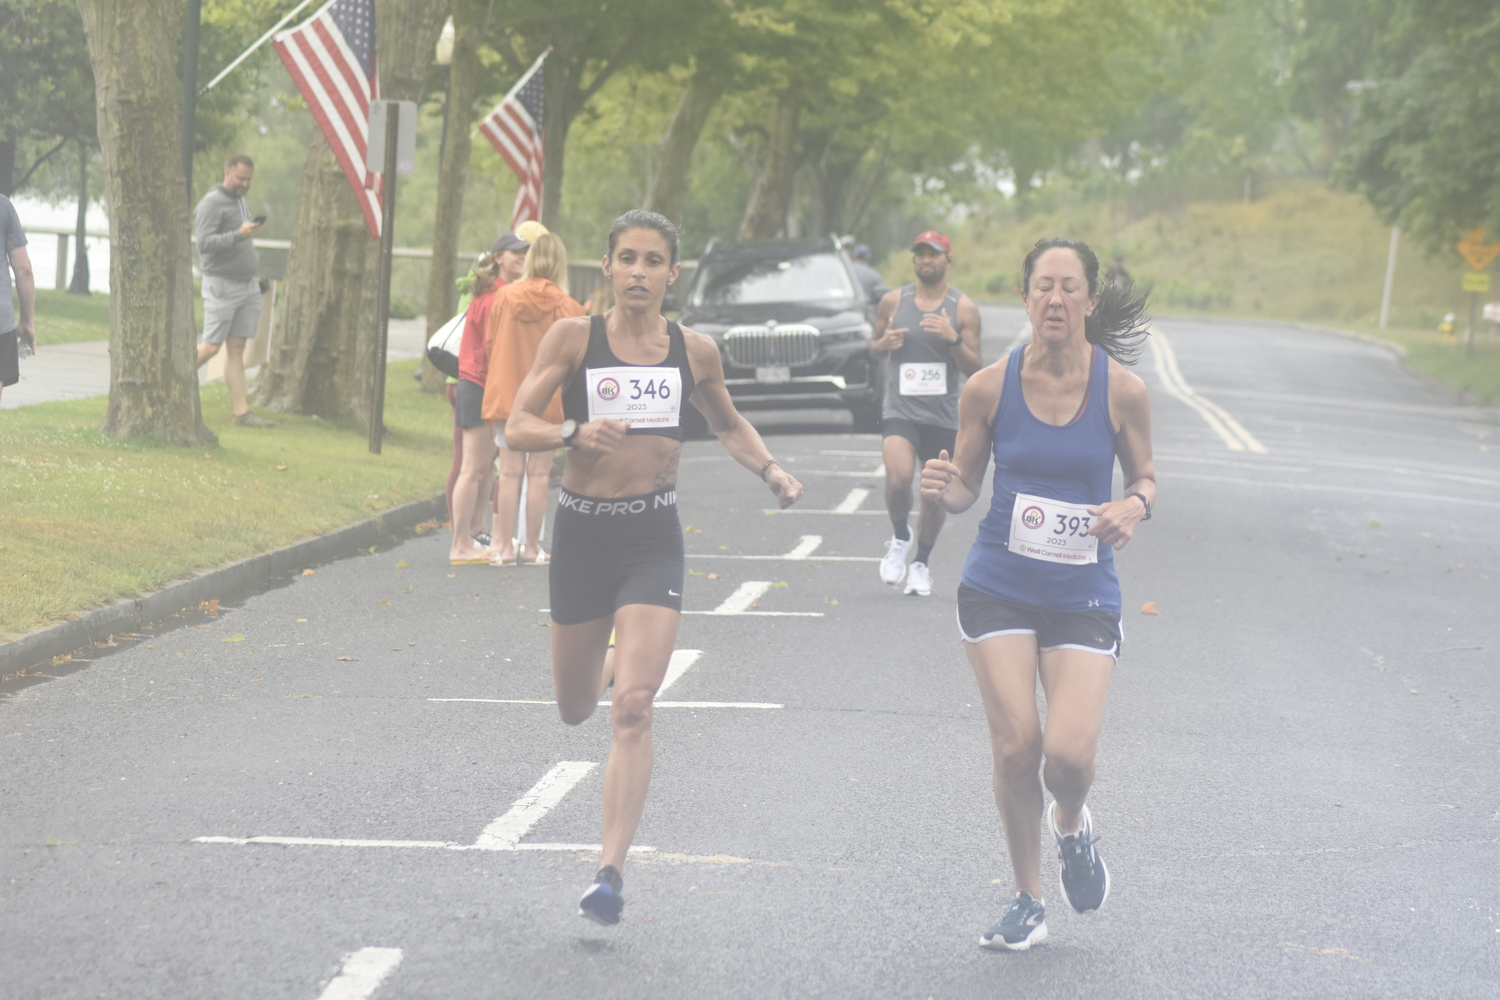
(1074, 463)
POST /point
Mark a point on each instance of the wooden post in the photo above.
(383, 305)
(61, 281)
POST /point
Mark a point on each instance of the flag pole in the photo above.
(514, 90)
(259, 42)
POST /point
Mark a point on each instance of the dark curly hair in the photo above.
(1119, 324)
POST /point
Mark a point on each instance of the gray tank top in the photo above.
(921, 383)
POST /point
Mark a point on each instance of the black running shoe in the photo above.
(482, 539)
(1023, 924)
(603, 903)
(1085, 880)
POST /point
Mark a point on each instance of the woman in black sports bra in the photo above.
(617, 553)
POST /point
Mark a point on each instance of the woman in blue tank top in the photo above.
(1039, 596)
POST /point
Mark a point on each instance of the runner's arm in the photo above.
(1115, 522)
(963, 342)
(739, 438)
(557, 357)
(20, 263)
(887, 340)
(956, 482)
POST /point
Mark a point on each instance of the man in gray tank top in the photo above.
(929, 335)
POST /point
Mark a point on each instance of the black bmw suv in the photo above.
(792, 325)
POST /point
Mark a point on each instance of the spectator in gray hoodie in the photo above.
(231, 282)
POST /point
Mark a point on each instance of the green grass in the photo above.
(1307, 253)
(86, 520)
(65, 319)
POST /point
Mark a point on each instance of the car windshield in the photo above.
(818, 277)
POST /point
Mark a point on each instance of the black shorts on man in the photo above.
(925, 438)
(608, 552)
(10, 358)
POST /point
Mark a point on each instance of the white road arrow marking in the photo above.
(681, 660)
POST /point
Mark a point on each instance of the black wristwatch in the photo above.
(1144, 501)
(568, 430)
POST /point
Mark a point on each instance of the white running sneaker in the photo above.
(893, 566)
(918, 580)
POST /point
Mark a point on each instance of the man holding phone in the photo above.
(231, 283)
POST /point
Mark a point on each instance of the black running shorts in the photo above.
(470, 400)
(10, 357)
(981, 616)
(608, 552)
(925, 438)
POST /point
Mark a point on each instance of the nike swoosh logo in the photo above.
(673, 592)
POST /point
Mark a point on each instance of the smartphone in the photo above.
(259, 220)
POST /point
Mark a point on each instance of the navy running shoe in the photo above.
(1084, 878)
(1023, 924)
(603, 903)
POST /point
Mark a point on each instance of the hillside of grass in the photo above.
(1305, 254)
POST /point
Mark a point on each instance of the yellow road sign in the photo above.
(1476, 281)
(1476, 251)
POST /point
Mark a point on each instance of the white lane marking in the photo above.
(807, 510)
(1361, 491)
(876, 473)
(806, 546)
(851, 503)
(854, 454)
(745, 595)
(506, 831)
(1235, 437)
(362, 974)
(1307, 464)
(678, 665)
(748, 593)
(725, 555)
(427, 844)
(605, 704)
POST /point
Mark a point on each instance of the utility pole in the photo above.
(1390, 277)
(190, 89)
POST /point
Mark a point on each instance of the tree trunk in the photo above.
(765, 215)
(322, 353)
(80, 283)
(153, 372)
(669, 186)
(7, 166)
(453, 172)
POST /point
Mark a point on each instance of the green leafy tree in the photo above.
(49, 87)
(1424, 147)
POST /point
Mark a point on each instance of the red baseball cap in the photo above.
(933, 239)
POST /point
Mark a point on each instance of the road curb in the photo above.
(223, 583)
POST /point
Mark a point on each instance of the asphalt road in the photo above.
(1297, 788)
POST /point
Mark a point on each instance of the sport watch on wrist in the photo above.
(1144, 502)
(568, 430)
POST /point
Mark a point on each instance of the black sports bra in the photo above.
(642, 394)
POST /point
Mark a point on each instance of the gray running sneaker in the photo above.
(1084, 878)
(1023, 924)
(249, 419)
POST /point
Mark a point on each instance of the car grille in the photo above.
(755, 346)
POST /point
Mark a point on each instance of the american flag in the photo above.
(514, 128)
(331, 57)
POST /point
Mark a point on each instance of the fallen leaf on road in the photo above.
(1149, 608)
(724, 548)
(781, 583)
(237, 637)
(830, 600)
(690, 530)
(715, 576)
(1374, 524)
(755, 605)
(694, 572)
(403, 564)
(384, 601)
(210, 608)
(302, 619)
(348, 659)
(309, 572)
(1413, 690)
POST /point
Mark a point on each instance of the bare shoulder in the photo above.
(889, 301)
(703, 354)
(987, 382)
(1125, 385)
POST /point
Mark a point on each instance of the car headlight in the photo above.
(861, 331)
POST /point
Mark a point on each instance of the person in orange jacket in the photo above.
(519, 315)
